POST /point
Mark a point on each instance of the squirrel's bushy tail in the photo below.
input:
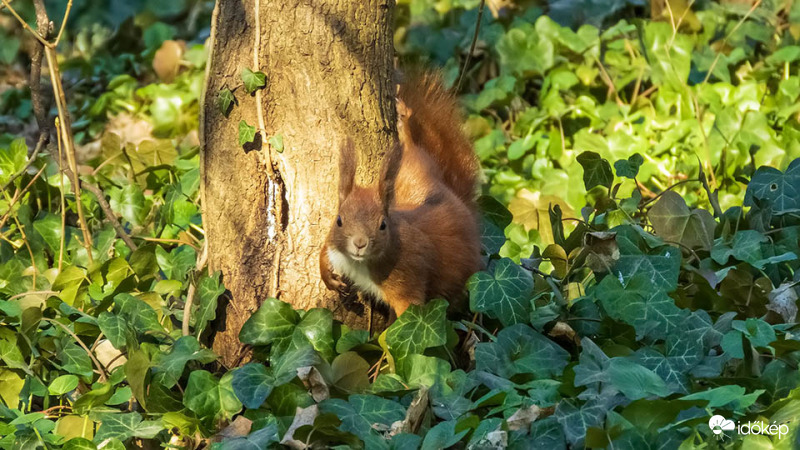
(430, 117)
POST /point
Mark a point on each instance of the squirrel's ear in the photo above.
(389, 171)
(347, 168)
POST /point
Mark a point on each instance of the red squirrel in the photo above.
(414, 234)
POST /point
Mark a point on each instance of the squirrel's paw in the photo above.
(333, 281)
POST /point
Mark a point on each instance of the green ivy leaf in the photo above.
(209, 288)
(779, 190)
(274, 321)
(673, 221)
(640, 304)
(361, 414)
(12, 159)
(417, 329)
(744, 246)
(519, 349)
(225, 100)
(126, 426)
(503, 291)
(79, 444)
(115, 328)
(596, 170)
(257, 440)
(75, 360)
(130, 203)
(252, 384)
(210, 398)
(253, 80)
(247, 134)
(169, 366)
(276, 142)
(629, 168)
(63, 384)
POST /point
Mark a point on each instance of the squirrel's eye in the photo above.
(383, 224)
(339, 220)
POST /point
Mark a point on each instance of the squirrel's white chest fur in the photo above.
(355, 271)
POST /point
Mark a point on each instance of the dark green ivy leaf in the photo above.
(520, 349)
(225, 100)
(596, 170)
(169, 366)
(629, 168)
(418, 328)
(503, 291)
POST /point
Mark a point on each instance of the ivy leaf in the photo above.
(126, 426)
(316, 327)
(361, 414)
(79, 444)
(276, 142)
(780, 190)
(209, 288)
(744, 246)
(252, 384)
(520, 349)
(257, 440)
(210, 398)
(169, 366)
(63, 384)
(274, 321)
(247, 134)
(418, 328)
(640, 304)
(253, 80)
(443, 435)
(659, 268)
(12, 159)
(673, 221)
(629, 168)
(114, 328)
(596, 170)
(503, 292)
(75, 360)
(575, 419)
(730, 397)
(286, 363)
(278, 324)
(130, 203)
(225, 100)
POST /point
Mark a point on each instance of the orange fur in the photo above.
(414, 235)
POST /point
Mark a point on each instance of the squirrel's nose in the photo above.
(360, 242)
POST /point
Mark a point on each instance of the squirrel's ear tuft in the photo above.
(347, 168)
(389, 171)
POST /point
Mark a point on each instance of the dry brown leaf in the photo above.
(167, 60)
(303, 416)
(523, 418)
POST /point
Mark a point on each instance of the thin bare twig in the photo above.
(63, 23)
(65, 130)
(472, 45)
(101, 200)
(100, 367)
(187, 308)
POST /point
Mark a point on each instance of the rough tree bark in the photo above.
(329, 66)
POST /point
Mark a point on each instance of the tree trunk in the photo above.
(329, 75)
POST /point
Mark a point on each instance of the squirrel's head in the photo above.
(363, 228)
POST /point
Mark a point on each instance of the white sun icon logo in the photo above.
(719, 425)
